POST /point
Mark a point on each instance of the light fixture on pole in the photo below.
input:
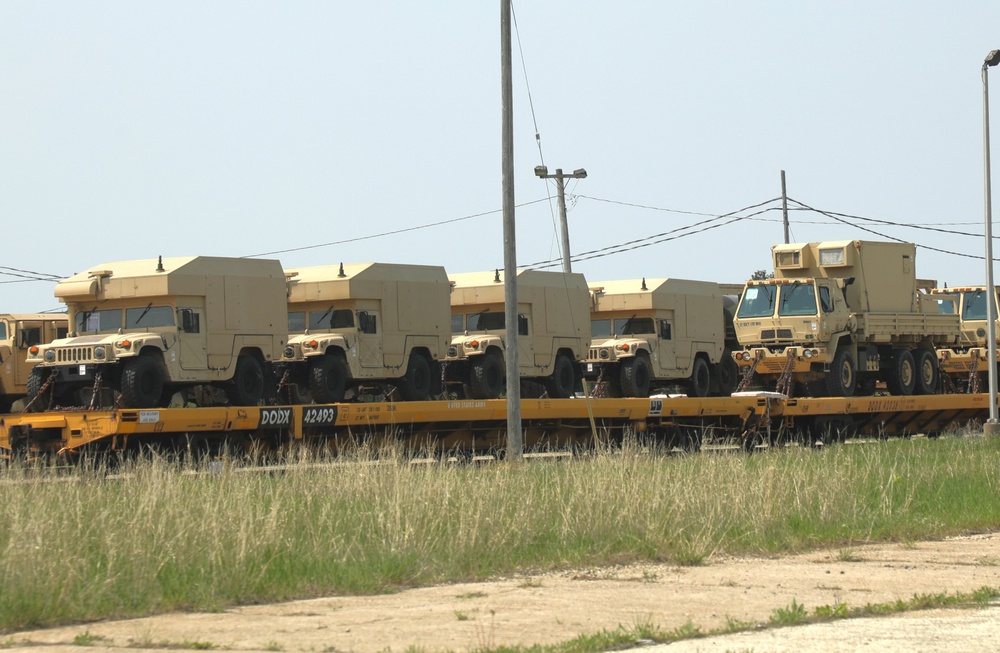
(543, 173)
(992, 427)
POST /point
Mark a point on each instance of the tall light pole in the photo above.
(579, 173)
(993, 427)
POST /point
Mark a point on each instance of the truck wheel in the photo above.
(327, 379)
(560, 384)
(729, 374)
(486, 376)
(927, 373)
(902, 373)
(416, 385)
(635, 376)
(842, 380)
(142, 382)
(701, 379)
(247, 386)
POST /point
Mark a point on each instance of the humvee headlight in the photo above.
(808, 353)
(34, 350)
(289, 352)
(473, 344)
(50, 356)
(453, 351)
(124, 344)
(742, 356)
(604, 353)
(623, 347)
(312, 344)
(99, 352)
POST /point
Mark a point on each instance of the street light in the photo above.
(992, 426)
(543, 173)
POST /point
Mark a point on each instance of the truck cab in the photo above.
(18, 334)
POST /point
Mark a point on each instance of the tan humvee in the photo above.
(845, 314)
(650, 332)
(965, 363)
(361, 323)
(553, 317)
(20, 332)
(148, 328)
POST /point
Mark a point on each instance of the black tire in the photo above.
(247, 385)
(927, 376)
(487, 376)
(416, 385)
(563, 380)
(842, 380)
(327, 379)
(866, 386)
(902, 373)
(142, 382)
(635, 376)
(700, 383)
(36, 377)
(729, 374)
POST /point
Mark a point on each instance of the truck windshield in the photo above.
(484, 321)
(149, 316)
(600, 328)
(634, 326)
(758, 301)
(341, 318)
(974, 305)
(95, 321)
(797, 299)
(296, 321)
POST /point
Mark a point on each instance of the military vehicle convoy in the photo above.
(552, 320)
(965, 364)
(19, 332)
(653, 334)
(148, 328)
(838, 317)
(363, 324)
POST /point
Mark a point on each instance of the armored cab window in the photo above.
(457, 323)
(367, 322)
(665, 331)
(825, 300)
(95, 321)
(522, 324)
(600, 328)
(489, 321)
(797, 299)
(30, 336)
(634, 326)
(150, 316)
(190, 321)
(61, 332)
(974, 305)
(758, 301)
(296, 321)
(3, 330)
(342, 318)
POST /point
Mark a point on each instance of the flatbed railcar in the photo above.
(474, 426)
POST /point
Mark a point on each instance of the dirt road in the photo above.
(553, 607)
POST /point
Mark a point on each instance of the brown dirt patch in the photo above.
(554, 607)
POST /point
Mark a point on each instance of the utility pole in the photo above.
(784, 205)
(543, 173)
(515, 437)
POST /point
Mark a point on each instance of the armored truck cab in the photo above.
(648, 333)
(843, 315)
(368, 322)
(965, 363)
(18, 334)
(552, 320)
(150, 327)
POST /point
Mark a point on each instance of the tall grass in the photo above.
(84, 545)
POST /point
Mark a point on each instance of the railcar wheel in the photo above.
(635, 376)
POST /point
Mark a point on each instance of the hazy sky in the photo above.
(134, 129)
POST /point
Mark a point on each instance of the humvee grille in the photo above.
(75, 355)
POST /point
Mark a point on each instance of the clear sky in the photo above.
(135, 129)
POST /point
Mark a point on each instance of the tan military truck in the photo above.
(19, 332)
(965, 364)
(552, 320)
(658, 333)
(364, 324)
(840, 316)
(151, 327)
